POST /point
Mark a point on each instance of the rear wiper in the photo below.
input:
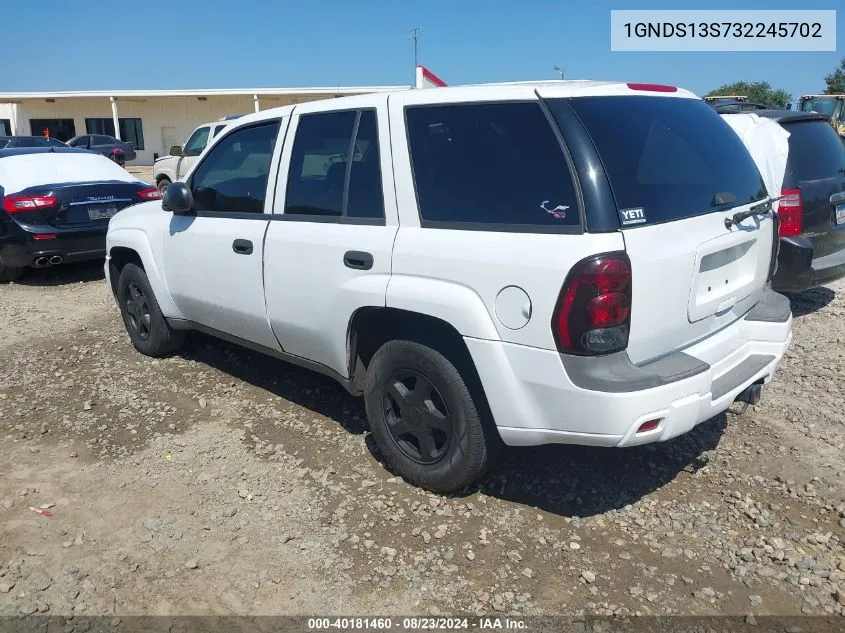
(758, 209)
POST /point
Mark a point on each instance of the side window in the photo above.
(233, 176)
(217, 129)
(196, 143)
(101, 140)
(494, 164)
(335, 169)
(79, 141)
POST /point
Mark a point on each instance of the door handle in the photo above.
(358, 260)
(242, 247)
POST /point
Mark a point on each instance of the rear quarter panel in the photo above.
(457, 275)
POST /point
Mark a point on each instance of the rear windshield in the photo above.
(815, 152)
(667, 158)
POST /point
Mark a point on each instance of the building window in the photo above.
(62, 129)
(5, 127)
(131, 130)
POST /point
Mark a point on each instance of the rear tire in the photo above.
(9, 274)
(142, 317)
(424, 418)
(163, 184)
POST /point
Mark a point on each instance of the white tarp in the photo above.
(49, 168)
(768, 144)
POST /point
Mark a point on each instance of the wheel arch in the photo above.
(371, 327)
(132, 246)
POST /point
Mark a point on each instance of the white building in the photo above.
(153, 120)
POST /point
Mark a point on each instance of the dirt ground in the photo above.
(222, 481)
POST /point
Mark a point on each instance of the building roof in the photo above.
(209, 92)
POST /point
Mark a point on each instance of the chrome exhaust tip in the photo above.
(40, 262)
(56, 259)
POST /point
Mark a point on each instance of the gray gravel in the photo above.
(221, 481)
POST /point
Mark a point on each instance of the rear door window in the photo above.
(815, 152)
(490, 165)
(667, 158)
(335, 168)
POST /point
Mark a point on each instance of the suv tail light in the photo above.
(22, 204)
(593, 313)
(151, 193)
(790, 213)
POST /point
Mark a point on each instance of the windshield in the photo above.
(668, 158)
(823, 106)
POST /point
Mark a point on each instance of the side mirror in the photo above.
(176, 150)
(178, 199)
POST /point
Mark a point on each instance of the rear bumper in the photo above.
(538, 397)
(19, 248)
(798, 270)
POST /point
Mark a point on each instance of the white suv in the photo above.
(181, 158)
(572, 262)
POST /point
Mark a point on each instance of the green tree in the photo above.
(758, 92)
(836, 80)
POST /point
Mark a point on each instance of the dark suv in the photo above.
(812, 213)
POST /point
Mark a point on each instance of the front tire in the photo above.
(424, 418)
(142, 317)
(163, 184)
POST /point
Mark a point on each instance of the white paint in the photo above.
(513, 307)
(27, 170)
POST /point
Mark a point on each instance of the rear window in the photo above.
(815, 152)
(667, 158)
(490, 166)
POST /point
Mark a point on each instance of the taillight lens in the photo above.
(790, 213)
(152, 193)
(593, 314)
(22, 204)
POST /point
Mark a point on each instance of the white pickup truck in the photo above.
(181, 158)
(573, 262)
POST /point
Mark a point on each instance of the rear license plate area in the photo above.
(101, 211)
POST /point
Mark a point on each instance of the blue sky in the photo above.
(223, 44)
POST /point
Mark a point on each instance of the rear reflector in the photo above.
(44, 236)
(18, 204)
(790, 213)
(653, 87)
(151, 193)
(645, 427)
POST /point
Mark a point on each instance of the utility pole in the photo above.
(558, 69)
(415, 34)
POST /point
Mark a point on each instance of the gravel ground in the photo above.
(222, 481)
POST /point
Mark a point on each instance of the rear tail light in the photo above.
(593, 313)
(22, 204)
(790, 212)
(151, 193)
